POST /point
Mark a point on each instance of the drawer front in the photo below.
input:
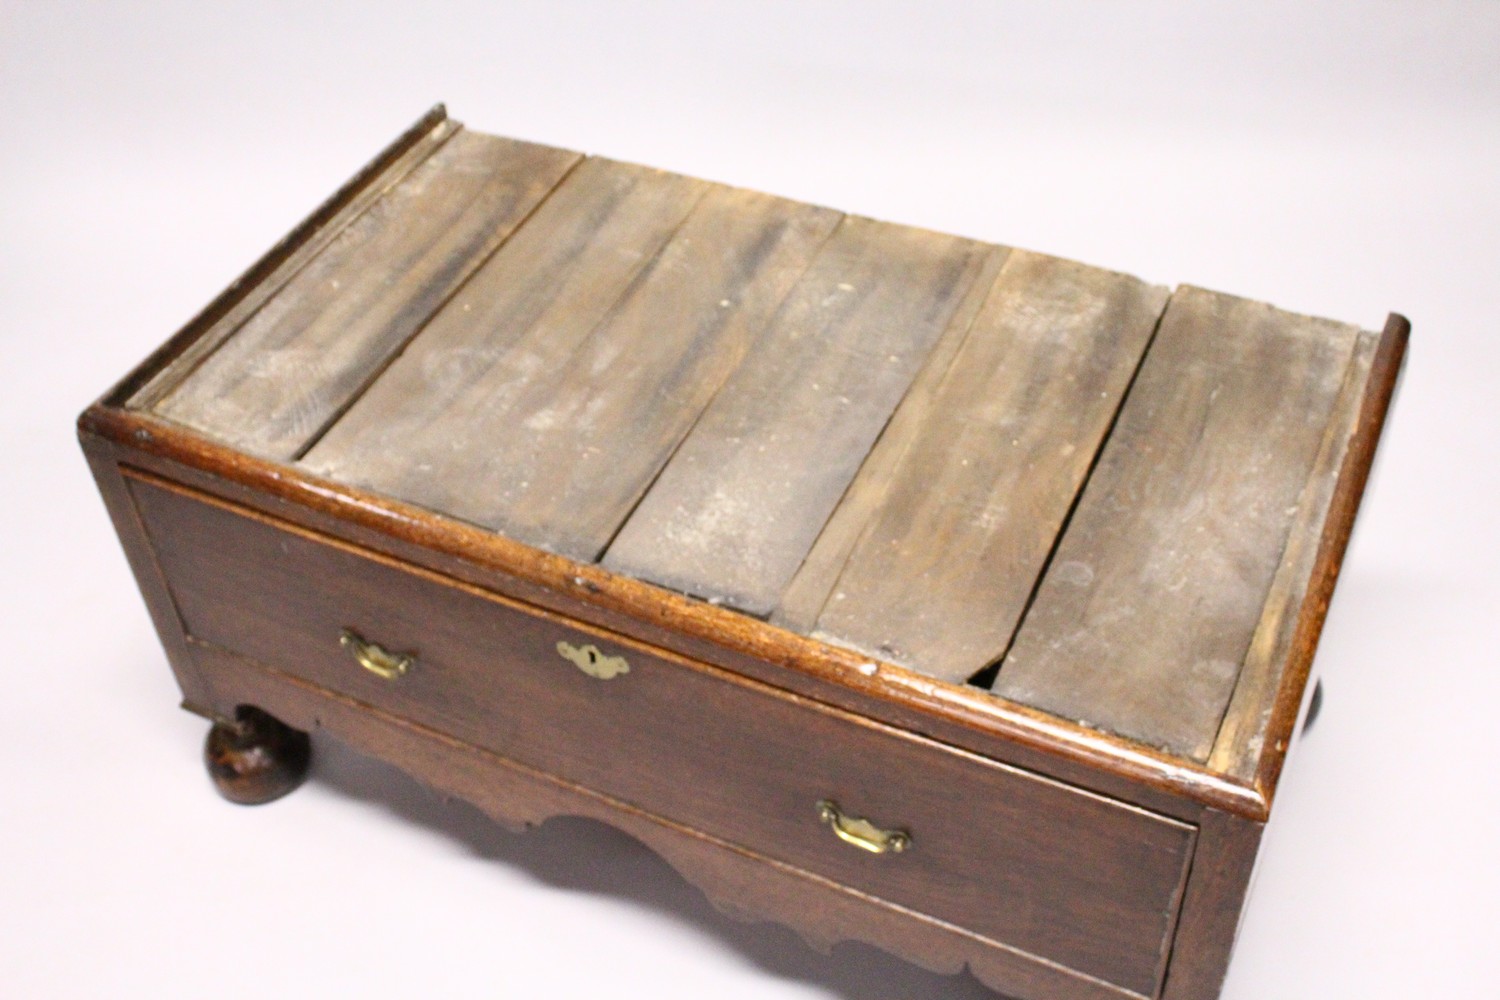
(1070, 877)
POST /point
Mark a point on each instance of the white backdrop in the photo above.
(1337, 159)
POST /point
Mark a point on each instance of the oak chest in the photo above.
(899, 587)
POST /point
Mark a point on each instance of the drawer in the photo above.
(1066, 876)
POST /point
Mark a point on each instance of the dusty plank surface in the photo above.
(737, 508)
(430, 428)
(306, 352)
(964, 525)
(577, 445)
(1147, 610)
(808, 591)
(373, 183)
(1237, 749)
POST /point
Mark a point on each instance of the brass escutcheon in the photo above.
(861, 833)
(374, 658)
(592, 662)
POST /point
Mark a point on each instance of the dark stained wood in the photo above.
(741, 883)
(960, 715)
(254, 758)
(424, 431)
(104, 462)
(736, 510)
(964, 524)
(1223, 870)
(1314, 707)
(1069, 877)
(579, 440)
(168, 364)
(306, 352)
(1144, 617)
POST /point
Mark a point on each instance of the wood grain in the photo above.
(428, 429)
(1238, 746)
(307, 351)
(744, 884)
(1213, 906)
(808, 591)
(1292, 698)
(578, 442)
(964, 524)
(961, 715)
(736, 510)
(1144, 617)
(1073, 878)
(1031, 865)
(181, 355)
(105, 462)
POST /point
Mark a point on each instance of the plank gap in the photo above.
(719, 388)
(296, 362)
(804, 599)
(182, 368)
(985, 677)
(732, 517)
(1142, 624)
(1237, 747)
(453, 425)
(390, 359)
(956, 531)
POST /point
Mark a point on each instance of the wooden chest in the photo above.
(896, 586)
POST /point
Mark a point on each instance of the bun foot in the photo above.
(1314, 707)
(255, 758)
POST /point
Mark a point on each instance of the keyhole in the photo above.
(593, 656)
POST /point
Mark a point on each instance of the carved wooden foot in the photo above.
(255, 757)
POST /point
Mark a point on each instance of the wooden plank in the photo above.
(1294, 698)
(1238, 747)
(965, 717)
(282, 262)
(1146, 612)
(304, 354)
(571, 451)
(430, 428)
(737, 508)
(805, 596)
(958, 534)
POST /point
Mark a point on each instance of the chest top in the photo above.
(1095, 497)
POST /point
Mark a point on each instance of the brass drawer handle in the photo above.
(593, 662)
(374, 658)
(861, 832)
